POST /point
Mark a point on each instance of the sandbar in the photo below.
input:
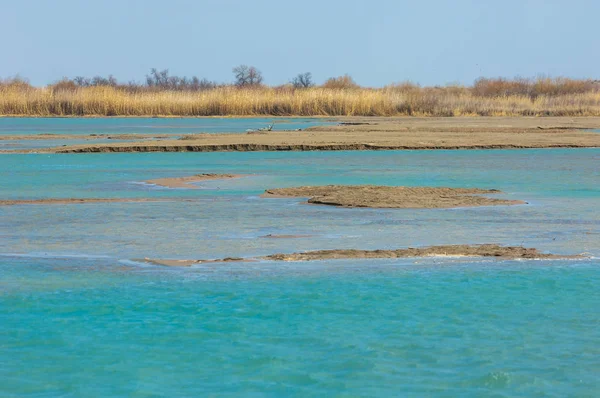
(484, 250)
(380, 133)
(374, 196)
(189, 263)
(188, 182)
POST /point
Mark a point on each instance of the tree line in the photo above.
(250, 77)
(244, 76)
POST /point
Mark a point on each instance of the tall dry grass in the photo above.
(485, 98)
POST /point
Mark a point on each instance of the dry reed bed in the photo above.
(226, 101)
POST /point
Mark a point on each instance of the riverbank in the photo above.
(395, 100)
(379, 134)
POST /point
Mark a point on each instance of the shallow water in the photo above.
(173, 127)
(79, 318)
(382, 328)
(22, 145)
(142, 125)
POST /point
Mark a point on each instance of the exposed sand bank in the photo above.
(487, 250)
(188, 182)
(68, 201)
(382, 134)
(391, 197)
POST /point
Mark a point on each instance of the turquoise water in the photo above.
(361, 329)
(21, 145)
(175, 126)
(80, 317)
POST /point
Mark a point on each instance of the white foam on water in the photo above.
(135, 263)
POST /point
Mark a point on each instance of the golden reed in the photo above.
(397, 100)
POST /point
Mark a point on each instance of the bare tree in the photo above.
(201, 84)
(155, 81)
(158, 78)
(247, 76)
(82, 81)
(303, 80)
(104, 81)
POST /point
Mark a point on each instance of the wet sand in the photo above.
(189, 263)
(486, 250)
(188, 182)
(401, 133)
(391, 197)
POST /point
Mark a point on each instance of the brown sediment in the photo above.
(68, 201)
(485, 250)
(189, 263)
(391, 197)
(381, 133)
(187, 182)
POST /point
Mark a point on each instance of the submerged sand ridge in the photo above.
(332, 195)
(485, 250)
(391, 197)
(175, 182)
(69, 201)
(188, 182)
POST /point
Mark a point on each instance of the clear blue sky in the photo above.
(375, 41)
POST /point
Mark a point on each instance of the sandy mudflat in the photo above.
(188, 182)
(67, 201)
(382, 134)
(487, 250)
(391, 197)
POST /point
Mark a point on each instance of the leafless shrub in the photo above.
(341, 83)
(16, 82)
(533, 88)
(64, 85)
(247, 76)
(303, 80)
